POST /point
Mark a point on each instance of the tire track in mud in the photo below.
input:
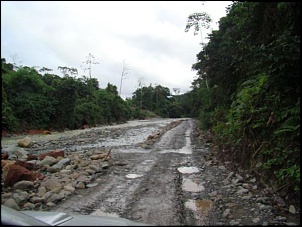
(117, 195)
(156, 201)
(162, 201)
(147, 188)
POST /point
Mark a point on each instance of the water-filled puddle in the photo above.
(188, 169)
(133, 175)
(201, 205)
(184, 150)
(191, 186)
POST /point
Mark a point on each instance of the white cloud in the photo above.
(148, 35)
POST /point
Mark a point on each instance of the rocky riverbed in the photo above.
(159, 172)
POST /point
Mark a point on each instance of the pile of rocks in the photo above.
(31, 182)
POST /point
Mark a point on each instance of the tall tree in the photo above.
(90, 60)
(124, 73)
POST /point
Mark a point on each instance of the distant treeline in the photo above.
(31, 100)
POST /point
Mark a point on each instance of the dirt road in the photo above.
(143, 184)
(173, 181)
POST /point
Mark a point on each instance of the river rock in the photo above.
(52, 184)
(5, 164)
(74, 176)
(17, 173)
(80, 185)
(94, 168)
(12, 204)
(52, 169)
(23, 185)
(292, 209)
(84, 163)
(36, 200)
(25, 142)
(69, 188)
(56, 197)
(47, 195)
(20, 196)
(41, 191)
(256, 220)
(95, 157)
(29, 205)
(242, 191)
(55, 154)
(105, 165)
(61, 163)
(48, 160)
(226, 213)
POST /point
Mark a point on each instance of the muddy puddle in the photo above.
(200, 205)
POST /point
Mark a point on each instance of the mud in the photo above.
(170, 182)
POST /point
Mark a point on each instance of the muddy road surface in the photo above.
(143, 183)
(160, 173)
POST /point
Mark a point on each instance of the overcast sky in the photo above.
(148, 36)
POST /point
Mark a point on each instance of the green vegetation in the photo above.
(31, 100)
(34, 101)
(157, 99)
(248, 90)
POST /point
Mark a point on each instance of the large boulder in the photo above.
(55, 154)
(18, 173)
(25, 142)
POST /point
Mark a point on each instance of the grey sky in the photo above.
(148, 35)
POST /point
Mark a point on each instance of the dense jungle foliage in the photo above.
(248, 89)
(33, 100)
